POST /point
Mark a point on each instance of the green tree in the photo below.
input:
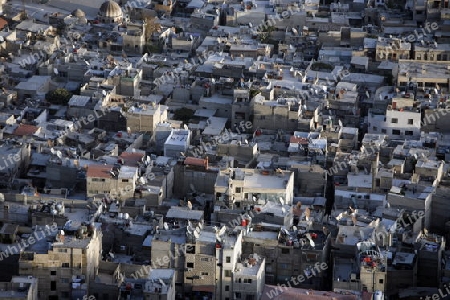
(58, 96)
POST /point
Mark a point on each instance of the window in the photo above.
(383, 130)
(250, 297)
(285, 251)
(205, 273)
(53, 285)
(237, 295)
(283, 266)
(190, 265)
(124, 180)
(409, 132)
(394, 120)
(105, 296)
(204, 259)
(65, 295)
(228, 259)
(410, 121)
(190, 249)
(247, 280)
(375, 128)
(65, 265)
(238, 190)
(395, 132)
(227, 273)
(52, 273)
(380, 281)
(64, 280)
(227, 288)
(62, 250)
(262, 117)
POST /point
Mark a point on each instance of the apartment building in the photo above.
(249, 277)
(430, 251)
(20, 288)
(291, 253)
(160, 285)
(14, 161)
(282, 113)
(114, 180)
(401, 120)
(392, 49)
(63, 262)
(201, 267)
(241, 110)
(143, 118)
(177, 142)
(241, 188)
(426, 74)
(431, 51)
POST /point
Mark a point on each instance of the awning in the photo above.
(203, 288)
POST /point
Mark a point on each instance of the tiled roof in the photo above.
(99, 171)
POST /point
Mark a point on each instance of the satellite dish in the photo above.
(111, 254)
(311, 242)
(340, 123)
(2, 39)
(59, 154)
(283, 210)
(52, 151)
(104, 93)
(222, 230)
(196, 234)
(87, 63)
(189, 205)
(166, 227)
(162, 282)
(55, 70)
(294, 228)
(185, 127)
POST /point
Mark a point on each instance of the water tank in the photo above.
(378, 295)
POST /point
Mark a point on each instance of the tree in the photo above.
(151, 26)
(58, 96)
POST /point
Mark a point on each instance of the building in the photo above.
(283, 113)
(242, 188)
(177, 142)
(160, 285)
(110, 12)
(14, 161)
(430, 250)
(143, 118)
(63, 261)
(111, 180)
(401, 120)
(392, 49)
(249, 277)
(20, 288)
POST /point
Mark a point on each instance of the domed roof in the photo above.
(110, 9)
(78, 13)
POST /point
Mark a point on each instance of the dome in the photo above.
(110, 9)
(78, 13)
